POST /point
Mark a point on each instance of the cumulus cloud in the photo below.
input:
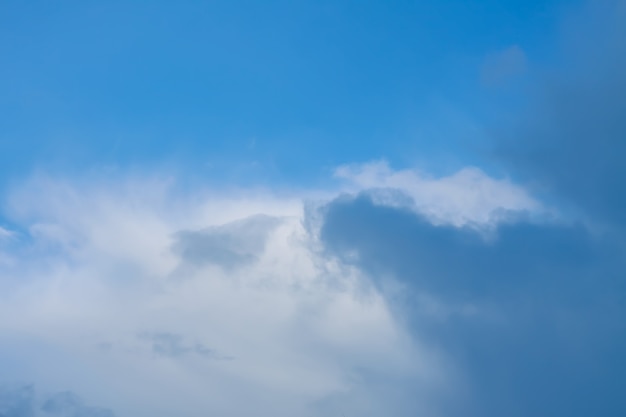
(134, 294)
(400, 294)
(386, 298)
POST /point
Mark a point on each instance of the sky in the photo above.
(313, 208)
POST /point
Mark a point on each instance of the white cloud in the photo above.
(292, 331)
(6, 236)
(5, 233)
(295, 326)
(467, 197)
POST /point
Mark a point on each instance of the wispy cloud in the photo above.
(5, 233)
(467, 197)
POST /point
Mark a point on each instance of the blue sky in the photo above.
(295, 87)
(312, 208)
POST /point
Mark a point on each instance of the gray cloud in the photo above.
(552, 341)
(23, 401)
(551, 336)
(17, 401)
(174, 346)
(414, 249)
(68, 404)
(571, 140)
(230, 245)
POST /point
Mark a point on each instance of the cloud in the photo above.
(408, 295)
(398, 293)
(6, 238)
(383, 298)
(5, 234)
(527, 313)
(531, 311)
(127, 291)
(395, 293)
(23, 401)
(174, 345)
(230, 245)
(17, 402)
(69, 404)
(468, 197)
(415, 249)
(570, 140)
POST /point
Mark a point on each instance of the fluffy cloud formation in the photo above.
(399, 293)
(396, 293)
(155, 301)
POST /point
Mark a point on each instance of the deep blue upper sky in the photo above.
(279, 90)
